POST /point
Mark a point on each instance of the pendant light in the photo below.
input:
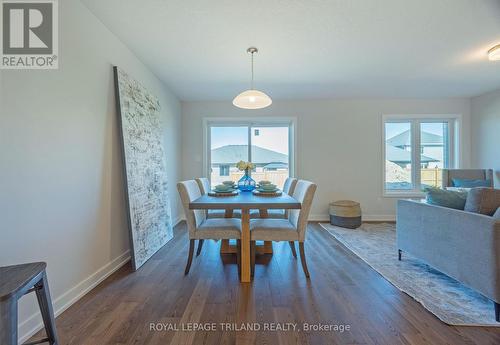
(252, 99)
(494, 53)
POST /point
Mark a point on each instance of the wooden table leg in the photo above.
(245, 246)
(268, 245)
(225, 247)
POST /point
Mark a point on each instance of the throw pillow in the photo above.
(445, 198)
(483, 200)
(458, 189)
(470, 183)
(496, 215)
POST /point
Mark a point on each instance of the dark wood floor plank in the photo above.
(342, 290)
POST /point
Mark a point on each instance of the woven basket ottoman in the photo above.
(345, 213)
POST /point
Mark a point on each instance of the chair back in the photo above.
(204, 184)
(189, 191)
(289, 185)
(469, 174)
(304, 193)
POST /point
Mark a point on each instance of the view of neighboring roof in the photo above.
(276, 165)
(426, 139)
(231, 154)
(397, 155)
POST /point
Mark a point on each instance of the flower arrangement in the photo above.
(244, 166)
(246, 183)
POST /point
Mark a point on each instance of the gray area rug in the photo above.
(452, 302)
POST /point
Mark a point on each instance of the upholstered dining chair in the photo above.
(288, 188)
(204, 185)
(290, 229)
(200, 227)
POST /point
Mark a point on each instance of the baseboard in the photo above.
(379, 218)
(365, 217)
(326, 218)
(34, 323)
(319, 218)
(177, 221)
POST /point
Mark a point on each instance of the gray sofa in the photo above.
(463, 245)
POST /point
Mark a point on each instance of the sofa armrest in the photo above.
(463, 245)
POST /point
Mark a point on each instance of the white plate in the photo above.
(267, 190)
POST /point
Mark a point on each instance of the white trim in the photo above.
(454, 142)
(365, 218)
(179, 219)
(379, 218)
(34, 323)
(291, 122)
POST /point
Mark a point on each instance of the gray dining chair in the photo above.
(288, 188)
(200, 227)
(204, 185)
(290, 229)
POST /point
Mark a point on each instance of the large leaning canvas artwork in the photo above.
(149, 216)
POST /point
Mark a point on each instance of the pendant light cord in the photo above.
(251, 86)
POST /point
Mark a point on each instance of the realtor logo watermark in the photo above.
(29, 34)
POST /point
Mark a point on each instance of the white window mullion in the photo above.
(208, 153)
(415, 164)
(451, 152)
(291, 152)
(250, 143)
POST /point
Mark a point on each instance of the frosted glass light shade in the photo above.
(494, 53)
(252, 99)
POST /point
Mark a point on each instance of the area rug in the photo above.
(452, 302)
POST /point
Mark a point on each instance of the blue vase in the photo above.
(246, 183)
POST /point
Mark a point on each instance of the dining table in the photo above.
(245, 201)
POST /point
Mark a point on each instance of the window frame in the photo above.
(224, 170)
(454, 144)
(290, 122)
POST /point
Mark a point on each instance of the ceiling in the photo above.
(312, 48)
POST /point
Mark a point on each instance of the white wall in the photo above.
(338, 143)
(61, 185)
(485, 124)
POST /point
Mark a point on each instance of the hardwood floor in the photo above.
(342, 290)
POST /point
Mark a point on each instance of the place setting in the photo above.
(267, 188)
(227, 188)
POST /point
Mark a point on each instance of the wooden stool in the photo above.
(16, 281)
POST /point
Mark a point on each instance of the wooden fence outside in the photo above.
(431, 177)
(277, 177)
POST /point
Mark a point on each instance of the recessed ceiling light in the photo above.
(494, 53)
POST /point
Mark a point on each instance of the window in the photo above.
(267, 144)
(224, 170)
(415, 152)
(228, 145)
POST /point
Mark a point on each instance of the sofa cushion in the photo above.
(465, 183)
(445, 198)
(496, 215)
(458, 189)
(483, 200)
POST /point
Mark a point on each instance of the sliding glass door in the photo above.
(267, 145)
(270, 153)
(228, 145)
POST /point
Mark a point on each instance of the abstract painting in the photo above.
(150, 224)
